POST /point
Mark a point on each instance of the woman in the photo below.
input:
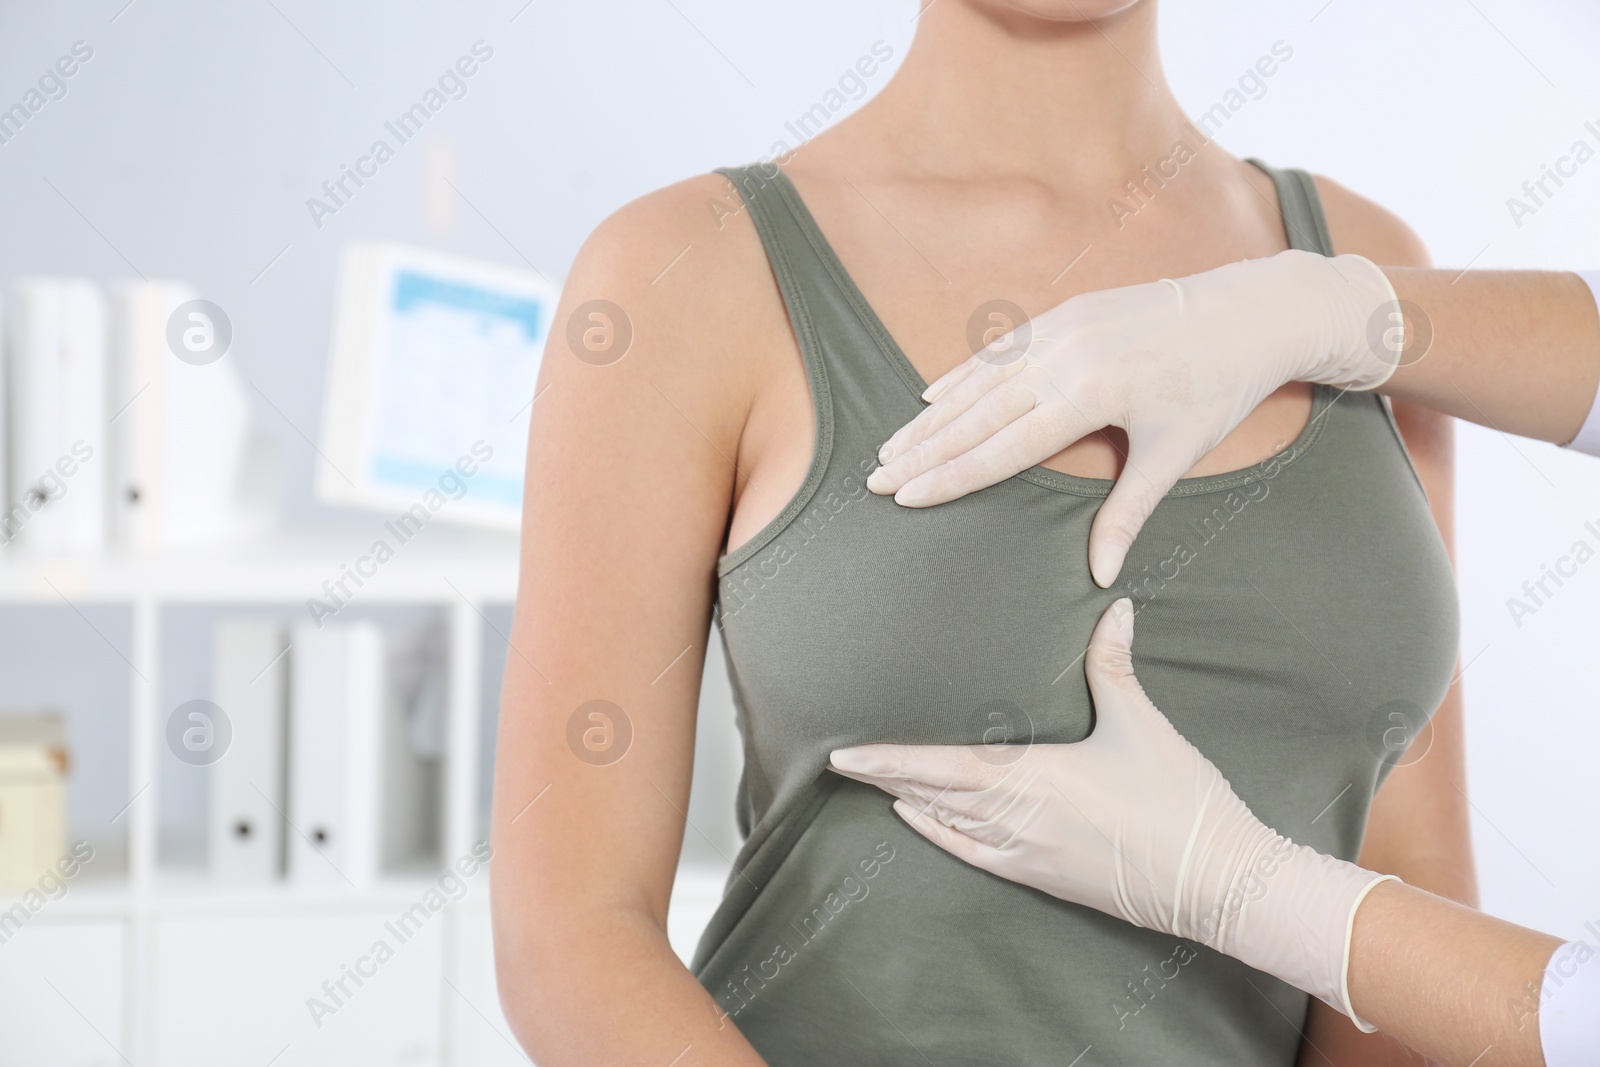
(721, 460)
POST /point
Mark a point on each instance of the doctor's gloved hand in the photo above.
(1133, 821)
(1175, 363)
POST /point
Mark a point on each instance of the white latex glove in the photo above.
(1175, 363)
(1135, 822)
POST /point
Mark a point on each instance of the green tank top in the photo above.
(1296, 620)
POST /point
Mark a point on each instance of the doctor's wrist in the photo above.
(1360, 328)
(1295, 917)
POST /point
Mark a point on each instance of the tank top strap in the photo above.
(1301, 208)
(862, 388)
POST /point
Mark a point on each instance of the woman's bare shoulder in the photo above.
(686, 266)
(690, 239)
(692, 211)
(1366, 228)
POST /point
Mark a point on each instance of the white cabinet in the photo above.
(297, 990)
(61, 994)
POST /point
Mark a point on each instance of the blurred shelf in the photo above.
(696, 893)
(194, 895)
(284, 573)
(82, 901)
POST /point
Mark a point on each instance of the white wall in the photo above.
(188, 145)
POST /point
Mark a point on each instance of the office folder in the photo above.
(335, 726)
(57, 369)
(180, 430)
(249, 681)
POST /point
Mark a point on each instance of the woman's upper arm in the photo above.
(640, 404)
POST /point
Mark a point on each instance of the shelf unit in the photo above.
(470, 582)
(462, 585)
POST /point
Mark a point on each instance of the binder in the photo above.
(180, 431)
(249, 681)
(336, 725)
(57, 370)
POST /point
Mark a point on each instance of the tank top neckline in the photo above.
(1056, 480)
(764, 184)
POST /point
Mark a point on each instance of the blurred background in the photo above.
(173, 162)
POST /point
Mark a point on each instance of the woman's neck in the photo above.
(1070, 104)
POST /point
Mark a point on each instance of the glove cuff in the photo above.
(1366, 327)
(1345, 1004)
(1334, 320)
(1296, 919)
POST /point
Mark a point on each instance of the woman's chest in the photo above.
(1271, 621)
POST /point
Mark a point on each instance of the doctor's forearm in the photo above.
(1518, 351)
(1454, 984)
